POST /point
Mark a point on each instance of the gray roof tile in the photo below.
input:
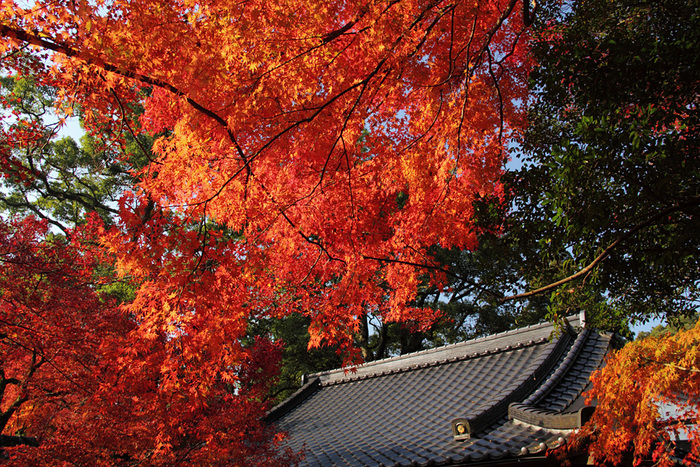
(399, 411)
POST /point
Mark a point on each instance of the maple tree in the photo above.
(288, 165)
(31, 341)
(647, 397)
(311, 157)
(75, 380)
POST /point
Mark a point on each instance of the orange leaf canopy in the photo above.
(647, 396)
(73, 379)
(310, 153)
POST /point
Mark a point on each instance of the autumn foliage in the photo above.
(76, 375)
(311, 153)
(647, 396)
(309, 157)
(51, 324)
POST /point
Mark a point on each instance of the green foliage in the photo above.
(59, 179)
(480, 280)
(612, 156)
(676, 324)
(297, 358)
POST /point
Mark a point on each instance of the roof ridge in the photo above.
(414, 367)
(369, 367)
(567, 362)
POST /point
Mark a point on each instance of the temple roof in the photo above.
(508, 397)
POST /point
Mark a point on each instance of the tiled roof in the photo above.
(508, 396)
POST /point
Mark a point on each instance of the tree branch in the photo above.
(34, 39)
(695, 201)
(672, 365)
